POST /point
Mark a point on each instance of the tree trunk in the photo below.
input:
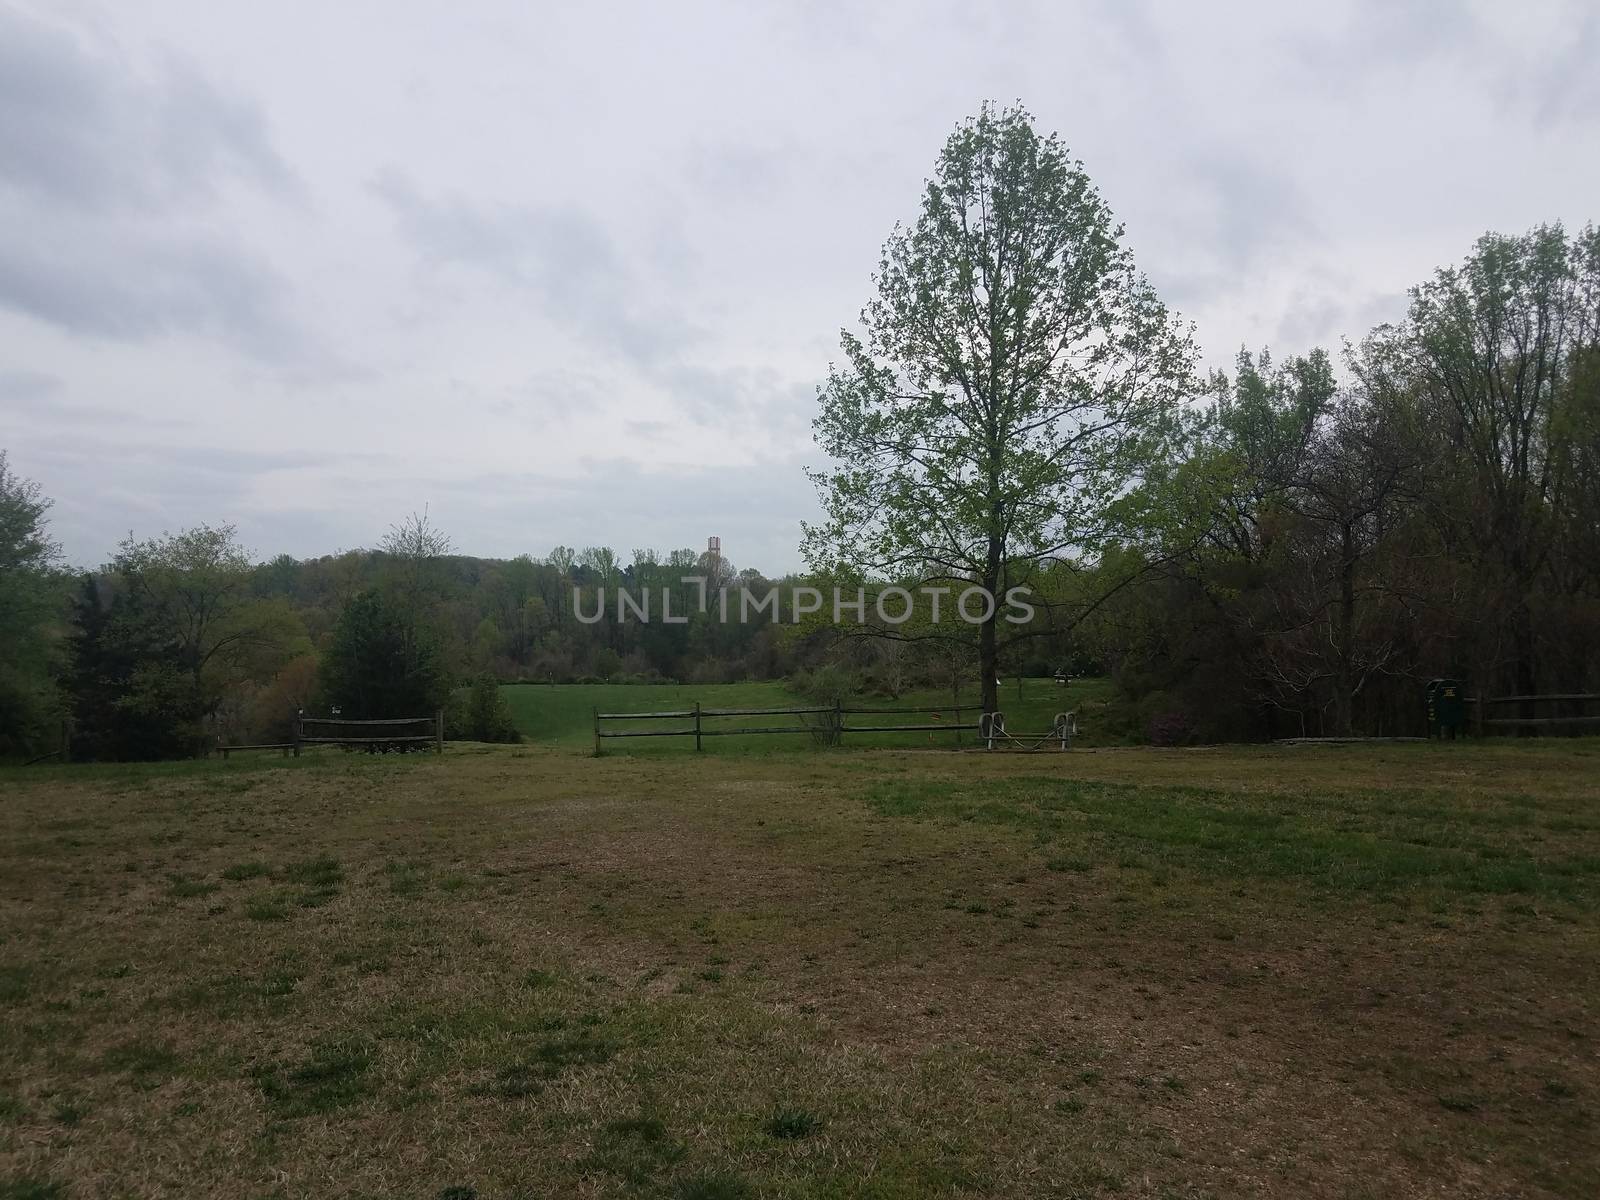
(1527, 683)
(988, 648)
(1525, 676)
(1344, 636)
(989, 664)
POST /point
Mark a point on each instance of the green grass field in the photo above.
(563, 714)
(519, 972)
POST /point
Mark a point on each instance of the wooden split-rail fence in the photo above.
(375, 736)
(829, 724)
(1551, 712)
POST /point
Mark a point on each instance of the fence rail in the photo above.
(1532, 699)
(764, 712)
(348, 731)
(383, 725)
(907, 728)
(1531, 721)
(1484, 703)
(761, 729)
(990, 727)
(284, 747)
(955, 708)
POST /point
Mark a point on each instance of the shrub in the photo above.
(479, 713)
(824, 687)
(385, 659)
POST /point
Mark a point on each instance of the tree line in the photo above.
(1290, 547)
(1286, 548)
(181, 642)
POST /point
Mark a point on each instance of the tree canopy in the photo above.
(1014, 375)
(30, 594)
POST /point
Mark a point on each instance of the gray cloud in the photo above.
(749, 173)
(1325, 318)
(37, 397)
(590, 294)
(114, 173)
(1241, 213)
(1565, 84)
(754, 507)
(1381, 36)
(747, 401)
(545, 400)
(138, 487)
(22, 386)
(1132, 22)
(563, 259)
(116, 283)
(1550, 75)
(86, 129)
(136, 476)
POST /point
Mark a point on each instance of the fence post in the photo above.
(438, 731)
(299, 732)
(838, 722)
(697, 724)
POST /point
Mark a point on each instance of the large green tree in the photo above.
(384, 661)
(192, 592)
(131, 699)
(170, 634)
(387, 657)
(31, 598)
(1306, 478)
(1015, 375)
(1500, 354)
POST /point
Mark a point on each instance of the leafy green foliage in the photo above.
(385, 660)
(164, 638)
(1435, 513)
(1016, 376)
(130, 703)
(30, 600)
(479, 713)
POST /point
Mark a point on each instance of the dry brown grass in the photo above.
(1144, 973)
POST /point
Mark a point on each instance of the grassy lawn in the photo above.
(1357, 971)
(564, 714)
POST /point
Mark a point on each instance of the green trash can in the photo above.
(1447, 707)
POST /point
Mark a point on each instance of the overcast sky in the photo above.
(570, 274)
